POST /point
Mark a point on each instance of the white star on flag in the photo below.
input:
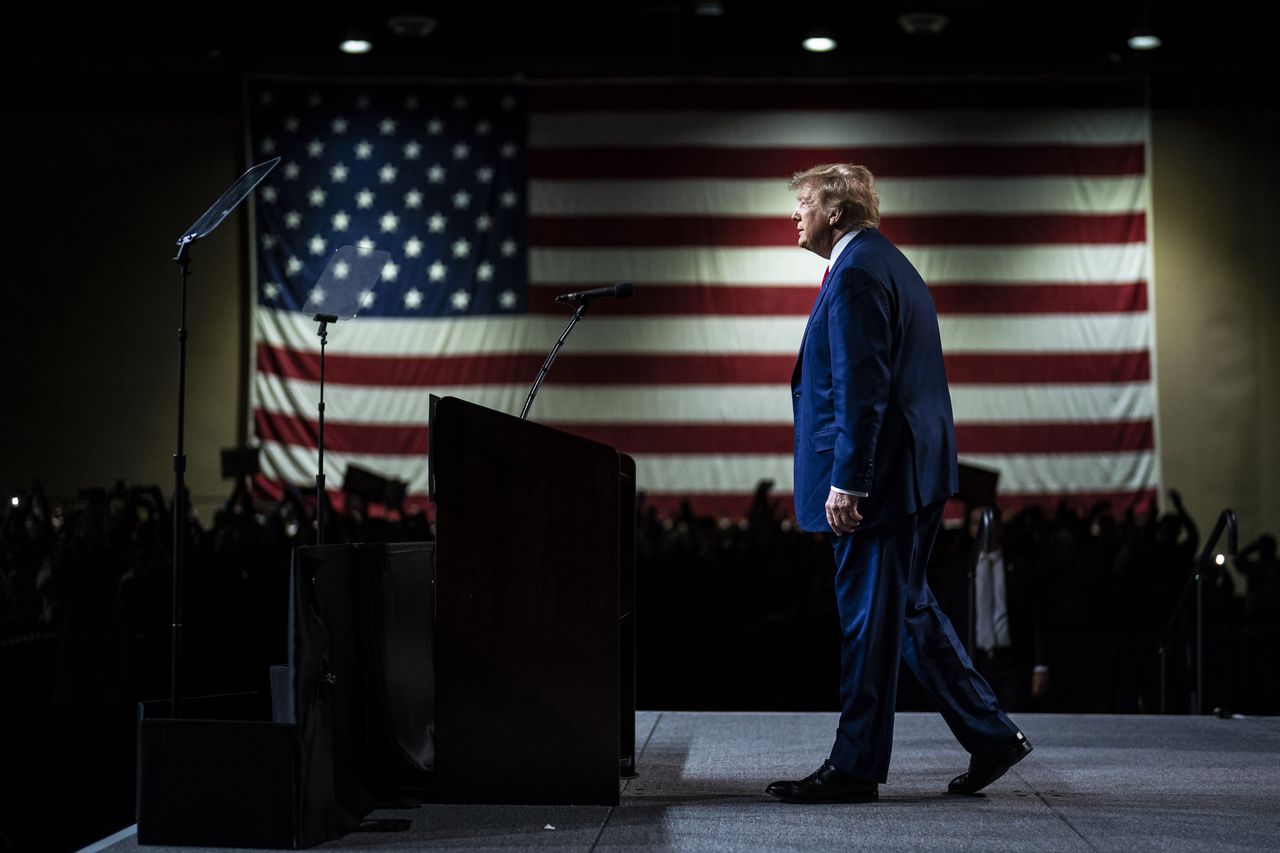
(366, 298)
(508, 248)
(435, 127)
(507, 299)
(436, 271)
(340, 221)
(293, 266)
(411, 102)
(268, 145)
(363, 150)
(390, 271)
(364, 198)
(365, 247)
(269, 194)
(461, 150)
(389, 222)
(291, 171)
(461, 199)
(509, 198)
(413, 247)
(387, 127)
(339, 125)
(317, 244)
(484, 174)
(338, 173)
(436, 174)
(363, 101)
(387, 174)
(411, 150)
(483, 222)
(508, 101)
(508, 150)
(314, 100)
(292, 219)
(317, 296)
(316, 197)
(270, 290)
(460, 299)
(413, 199)
(436, 223)
(268, 241)
(460, 102)
(484, 272)
(315, 148)
(291, 124)
(482, 128)
(341, 270)
(461, 248)
(412, 298)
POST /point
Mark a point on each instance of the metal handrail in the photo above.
(1226, 520)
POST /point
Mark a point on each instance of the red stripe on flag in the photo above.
(649, 300)
(1109, 437)
(340, 436)
(1039, 298)
(707, 439)
(720, 231)
(950, 161)
(397, 371)
(1048, 368)
(836, 95)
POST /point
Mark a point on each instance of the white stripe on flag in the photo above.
(692, 404)
(1052, 473)
(1073, 264)
(898, 196)
(679, 473)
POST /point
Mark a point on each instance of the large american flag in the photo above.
(1024, 206)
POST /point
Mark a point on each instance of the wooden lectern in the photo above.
(535, 594)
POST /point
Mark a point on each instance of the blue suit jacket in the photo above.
(869, 392)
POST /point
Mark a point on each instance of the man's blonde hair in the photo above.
(843, 186)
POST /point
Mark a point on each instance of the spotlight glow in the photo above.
(356, 46)
(1220, 559)
(1144, 41)
(819, 44)
(14, 501)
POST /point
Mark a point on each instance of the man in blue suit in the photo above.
(875, 461)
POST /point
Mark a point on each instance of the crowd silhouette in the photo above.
(731, 614)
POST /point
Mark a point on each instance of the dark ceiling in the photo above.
(1211, 58)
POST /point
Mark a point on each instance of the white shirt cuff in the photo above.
(847, 492)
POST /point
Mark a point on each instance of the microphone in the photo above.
(621, 290)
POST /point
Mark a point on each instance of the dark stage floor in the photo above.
(1120, 783)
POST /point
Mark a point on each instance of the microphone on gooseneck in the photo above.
(621, 290)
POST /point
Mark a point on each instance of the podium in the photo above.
(535, 602)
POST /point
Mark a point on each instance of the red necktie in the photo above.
(825, 273)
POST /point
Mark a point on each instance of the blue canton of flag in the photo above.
(435, 175)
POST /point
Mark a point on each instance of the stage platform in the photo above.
(1121, 783)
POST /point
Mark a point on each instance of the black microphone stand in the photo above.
(179, 485)
(321, 496)
(551, 356)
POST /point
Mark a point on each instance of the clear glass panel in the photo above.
(222, 208)
(347, 283)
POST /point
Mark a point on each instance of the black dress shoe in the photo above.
(990, 766)
(827, 784)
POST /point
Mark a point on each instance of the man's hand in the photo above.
(842, 512)
(1039, 684)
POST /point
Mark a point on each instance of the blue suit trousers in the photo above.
(887, 612)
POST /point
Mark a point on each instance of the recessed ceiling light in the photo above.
(1144, 41)
(819, 42)
(355, 45)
